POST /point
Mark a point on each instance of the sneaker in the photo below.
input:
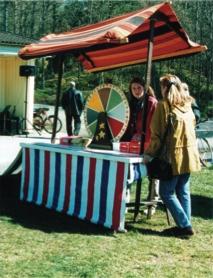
(152, 211)
(128, 195)
(187, 231)
(170, 231)
(178, 232)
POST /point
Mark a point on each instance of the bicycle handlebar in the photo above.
(42, 109)
(201, 121)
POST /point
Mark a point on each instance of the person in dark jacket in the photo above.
(72, 103)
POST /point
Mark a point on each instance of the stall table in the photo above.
(86, 183)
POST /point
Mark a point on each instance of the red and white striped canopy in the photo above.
(119, 41)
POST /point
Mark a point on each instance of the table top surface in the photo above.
(87, 152)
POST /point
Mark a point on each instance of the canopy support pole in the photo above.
(144, 117)
(150, 54)
(148, 81)
(60, 62)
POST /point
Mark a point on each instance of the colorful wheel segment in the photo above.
(111, 100)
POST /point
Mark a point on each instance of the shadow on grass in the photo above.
(144, 231)
(169, 232)
(166, 233)
(202, 206)
(36, 217)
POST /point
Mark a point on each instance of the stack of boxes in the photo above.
(128, 147)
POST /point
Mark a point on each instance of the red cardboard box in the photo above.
(134, 147)
(67, 140)
(128, 147)
(124, 147)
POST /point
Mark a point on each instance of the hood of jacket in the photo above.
(183, 108)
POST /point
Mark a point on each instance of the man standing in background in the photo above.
(72, 103)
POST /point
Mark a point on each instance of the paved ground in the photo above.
(83, 131)
(10, 145)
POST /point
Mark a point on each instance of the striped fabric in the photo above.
(86, 187)
(119, 41)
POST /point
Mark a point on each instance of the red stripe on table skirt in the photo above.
(118, 196)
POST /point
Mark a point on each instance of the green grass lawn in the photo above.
(36, 242)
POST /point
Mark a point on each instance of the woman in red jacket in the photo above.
(135, 126)
(136, 103)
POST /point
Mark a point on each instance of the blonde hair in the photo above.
(150, 92)
(186, 90)
(174, 90)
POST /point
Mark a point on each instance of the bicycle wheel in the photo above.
(48, 124)
(37, 123)
(205, 152)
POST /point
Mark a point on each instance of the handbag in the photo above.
(159, 168)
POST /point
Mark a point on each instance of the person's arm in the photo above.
(79, 101)
(63, 101)
(158, 128)
(152, 105)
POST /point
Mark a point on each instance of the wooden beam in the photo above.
(147, 83)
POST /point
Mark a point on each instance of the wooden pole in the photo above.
(150, 54)
(147, 82)
(144, 114)
(60, 62)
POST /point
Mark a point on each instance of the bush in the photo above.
(45, 96)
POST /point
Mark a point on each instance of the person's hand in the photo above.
(147, 158)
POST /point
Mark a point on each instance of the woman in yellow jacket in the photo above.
(181, 150)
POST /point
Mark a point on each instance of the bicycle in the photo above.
(41, 121)
(204, 148)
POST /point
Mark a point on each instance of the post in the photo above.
(150, 53)
(144, 113)
(26, 106)
(60, 62)
(148, 81)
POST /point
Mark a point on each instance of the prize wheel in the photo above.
(111, 100)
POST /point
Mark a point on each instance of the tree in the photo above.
(40, 17)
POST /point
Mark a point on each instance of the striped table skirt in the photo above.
(88, 185)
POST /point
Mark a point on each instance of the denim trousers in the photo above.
(175, 194)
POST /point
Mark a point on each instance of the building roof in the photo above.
(14, 40)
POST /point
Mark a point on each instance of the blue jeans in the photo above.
(175, 194)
